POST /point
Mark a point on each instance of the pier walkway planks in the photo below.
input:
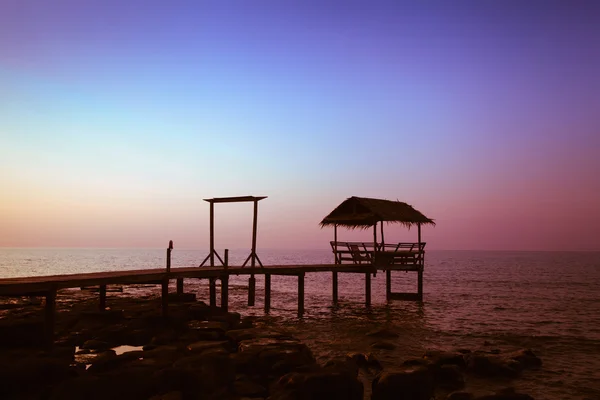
(47, 286)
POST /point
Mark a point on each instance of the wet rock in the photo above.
(383, 334)
(21, 334)
(318, 385)
(490, 365)
(203, 345)
(111, 362)
(31, 374)
(449, 377)
(347, 366)
(505, 396)
(167, 353)
(213, 368)
(383, 345)
(168, 396)
(440, 358)
(526, 358)
(105, 316)
(247, 388)
(231, 319)
(182, 297)
(183, 381)
(417, 362)
(460, 396)
(410, 383)
(95, 345)
(360, 359)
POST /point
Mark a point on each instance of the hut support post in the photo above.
(334, 274)
(334, 281)
(368, 289)
(49, 312)
(300, 294)
(420, 270)
(102, 304)
(382, 239)
(374, 243)
(388, 285)
(225, 284)
(267, 293)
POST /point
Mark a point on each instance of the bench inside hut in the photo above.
(363, 213)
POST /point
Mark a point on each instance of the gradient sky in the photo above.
(118, 117)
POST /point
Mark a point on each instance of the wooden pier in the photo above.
(349, 257)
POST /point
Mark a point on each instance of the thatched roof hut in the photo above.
(363, 213)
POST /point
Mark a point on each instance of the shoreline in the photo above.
(194, 328)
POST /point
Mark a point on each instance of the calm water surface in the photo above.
(547, 301)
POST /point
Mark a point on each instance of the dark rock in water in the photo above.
(373, 362)
(105, 316)
(111, 362)
(201, 311)
(418, 362)
(347, 366)
(460, 396)
(505, 396)
(449, 377)
(359, 358)
(383, 345)
(231, 319)
(272, 357)
(247, 388)
(183, 381)
(31, 374)
(526, 358)
(404, 384)
(199, 347)
(383, 334)
(317, 385)
(168, 396)
(490, 365)
(96, 345)
(122, 384)
(214, 369)
(439, 358)
(21, 334)
(182, 298)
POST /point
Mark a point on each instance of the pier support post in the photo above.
(179, 286)
(212, 287)
(49, 312)
(334, 282)
(165, 297)
(267, 293)
(388, 285)
(420, 284)
(102, 304)
(300, 295)
(368, 289)
(251, 290)
(225, 292)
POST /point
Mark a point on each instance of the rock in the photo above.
(213, 368)
(178, 380)
(410, 383)
(526, 358)
(318, 385)
(347, 366)
(440, 358)
(182, 297)
(359, 359)
(460, 396)
(383, 334)
(490, 365)
(269, 356)
(247, 388)
(505, 396)
(95, 345)
(110, 362)
(231, 319)
(449, 377)
(32, 374)
(203, 345)
(168, 396)
(417, 362)
(383, 345)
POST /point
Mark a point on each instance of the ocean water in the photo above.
(546, 301)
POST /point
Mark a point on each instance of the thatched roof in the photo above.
(362, 212)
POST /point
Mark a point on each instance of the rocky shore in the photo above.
(200, 352)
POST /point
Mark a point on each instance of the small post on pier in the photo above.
(169, 249)
(102, 305)
(300, 294)
(267, 293)
(225, 284)
(368, 289)
(252, 280)
(49, 312)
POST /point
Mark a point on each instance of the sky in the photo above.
(118, 117)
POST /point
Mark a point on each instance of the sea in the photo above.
(548, 302)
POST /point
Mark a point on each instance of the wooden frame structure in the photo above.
(253, 257)
(363, 213)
